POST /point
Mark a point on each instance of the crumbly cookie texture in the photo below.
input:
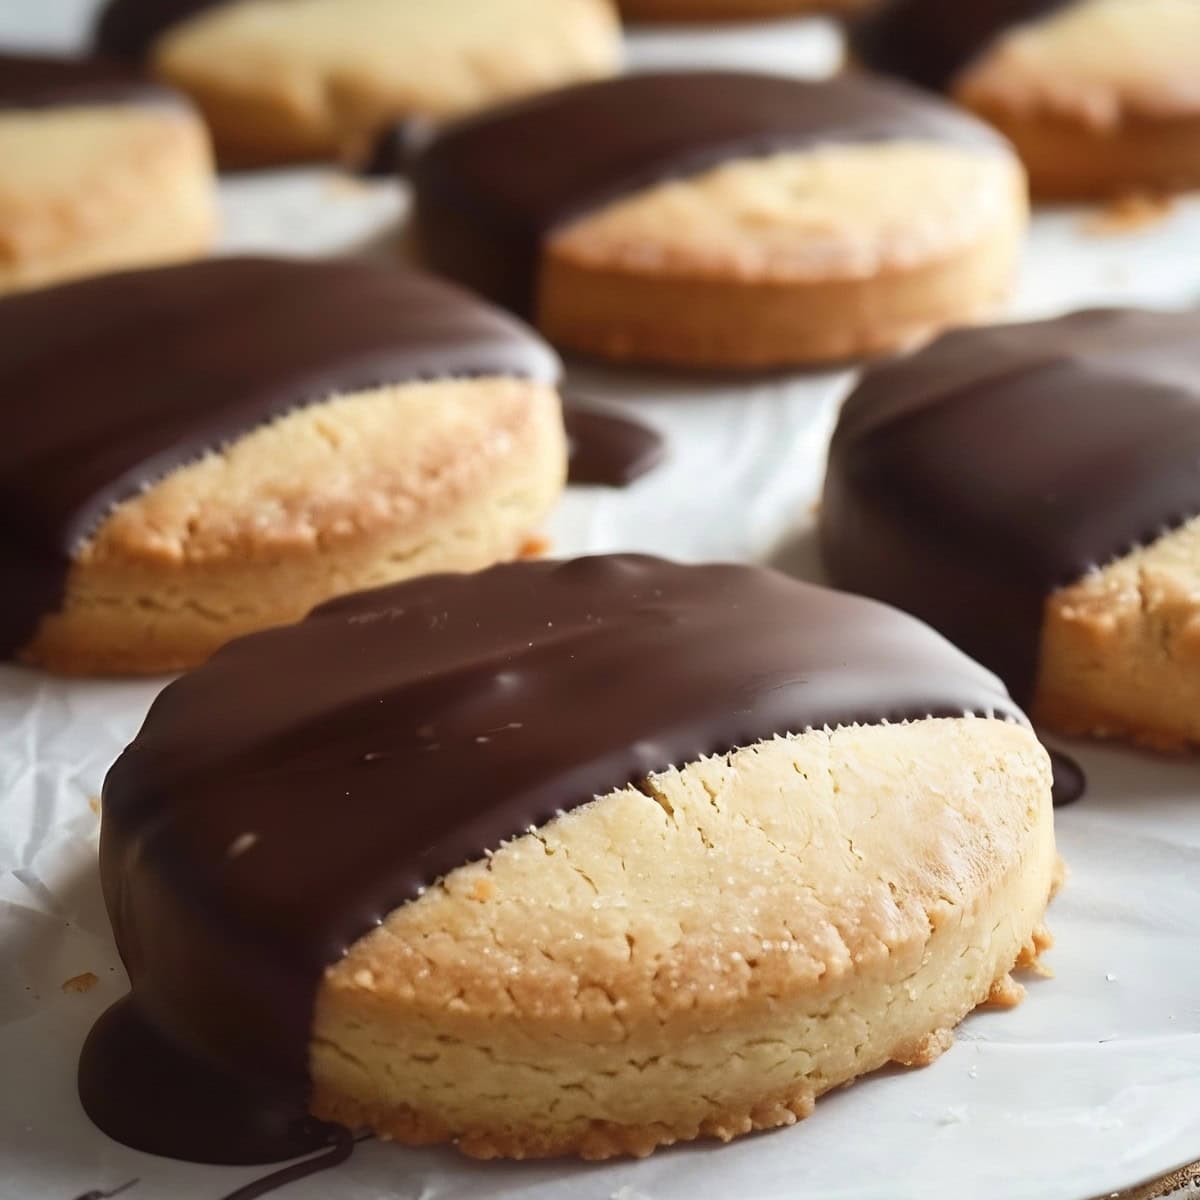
(295, 79)
(722, 10)
(1090, 122)
(100, 187)
(792, 258)
(1121, 648)
(704, 955)
(356, 492)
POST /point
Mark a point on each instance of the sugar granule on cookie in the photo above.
(578, 858)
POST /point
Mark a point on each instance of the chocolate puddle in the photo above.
(283, 798)
(608, 447)
(1070, 782)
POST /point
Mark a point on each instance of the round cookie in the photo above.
(101, 171)
(724, 219)
(561, 858)
(1032, 492)
(1087, 119)
(282, 80)
(195, 452)
(727, 10)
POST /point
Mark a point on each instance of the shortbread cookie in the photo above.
(295, 79)
(1099, 96)
(562, 858)
(195, 452)
(1032, 491)
(721, 219)
(728, 10)
(100, 171)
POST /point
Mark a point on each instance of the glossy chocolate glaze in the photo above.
(281, 800)
(489, 189)
(41, 81)
(928, 42)
(608, 447)
(969, 481)
(127, 29)
(114, 381)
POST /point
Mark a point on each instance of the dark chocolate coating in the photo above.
(397, 734)
(489, 189)
(127, 29)
(42, 81)
(928, 42)
(968, 481)
(608, 447)
(112, 382)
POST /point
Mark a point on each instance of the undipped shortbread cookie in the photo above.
(295, 79)
(721, 219)
(195, 452)
(562, 858)
(99, 171)
(1033, 491)
(1099, 96)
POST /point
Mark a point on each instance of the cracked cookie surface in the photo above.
(704, 956)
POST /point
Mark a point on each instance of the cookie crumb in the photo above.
(534, 547)
(1005, 993)
(94, 804)
(1128, 214)
(81, 983)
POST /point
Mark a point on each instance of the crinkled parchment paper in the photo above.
(1092, 1084)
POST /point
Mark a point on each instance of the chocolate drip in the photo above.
(609, 448)
(112, 382)
(488, 190)
(969, 481)
(281, 800)
(928, 42)
(127, 29)
(38, 81)
(341, 1147)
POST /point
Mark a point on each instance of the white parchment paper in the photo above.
(1092, 1084)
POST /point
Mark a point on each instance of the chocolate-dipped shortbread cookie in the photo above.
(280, 80)
(98, 171)
(1099, 96)
(561, 858)
(195, 452)
(1033, 491)
(724, 219)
